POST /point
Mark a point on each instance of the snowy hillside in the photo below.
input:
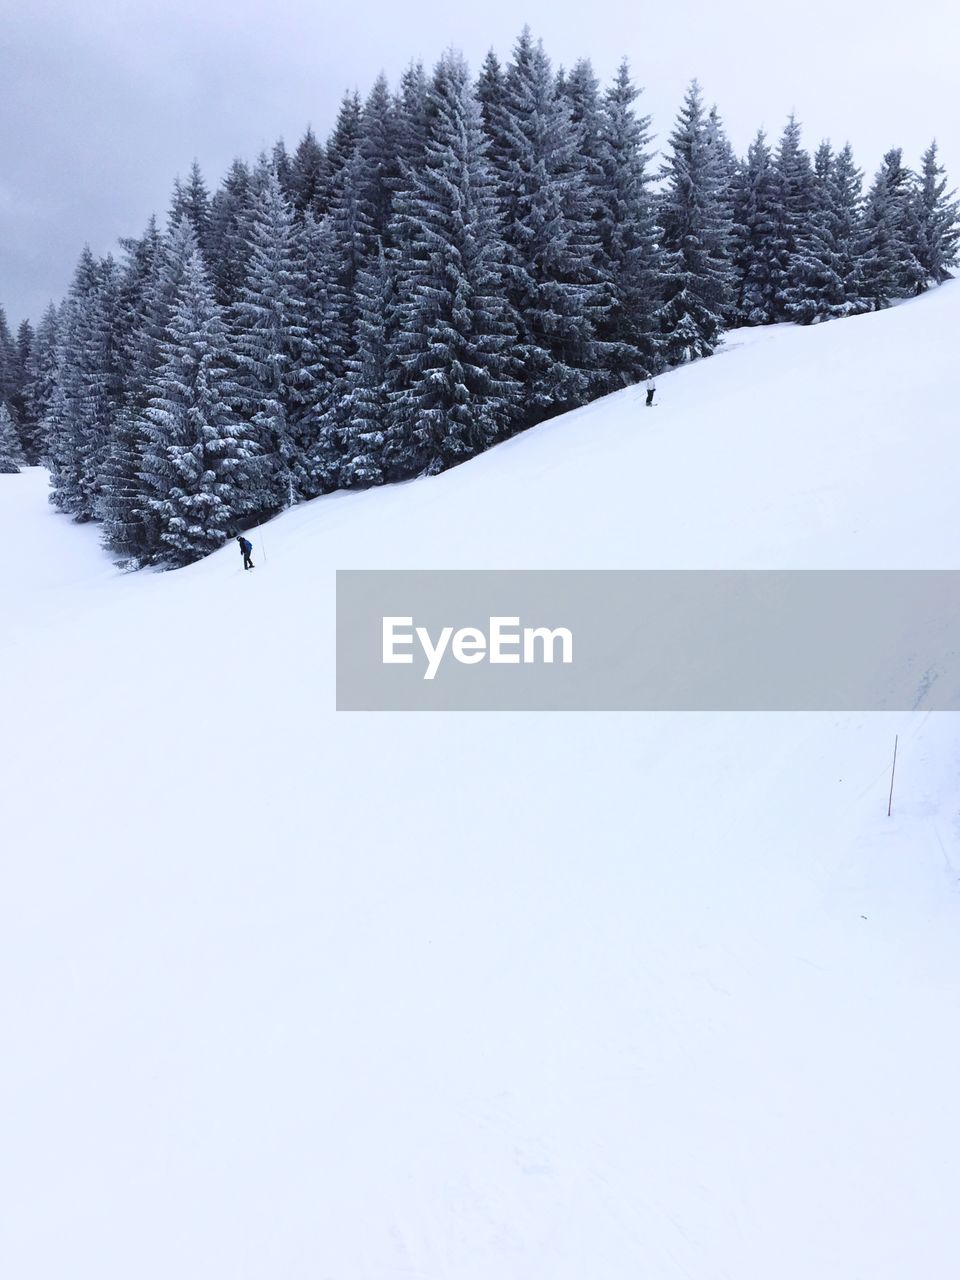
(292, 995)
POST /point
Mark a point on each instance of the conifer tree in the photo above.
(309, 176)
(121, 507)
(227, 250)
(582, 91)
(14, 364)
(795, 202)
(491, 94)
(283, 167)
(757, 245)
(846, 223)
(888, 267)
(344, 141)
(379, 173)
(87, 390)
(106, 386)
(725, 158)
(274, 353)
(935, 220)
(146, 291)
(41, 377)
(11, 453)
(8, 363)
(23, 346)
(326, 319)
(368, 450)
(140, 318)
(351, 234)
(197, 459)
(410, 107)
(146, 297)
(695, 238)
(191, 200)
(824, 265)
(554, 283)
(454, 330)
(155, 269)
(628, 236)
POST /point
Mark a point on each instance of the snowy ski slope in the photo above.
(287, 995)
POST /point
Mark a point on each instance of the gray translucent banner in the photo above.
(586, 640)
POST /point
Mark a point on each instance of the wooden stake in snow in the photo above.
(892, 772)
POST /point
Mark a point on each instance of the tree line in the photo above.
(459, 260)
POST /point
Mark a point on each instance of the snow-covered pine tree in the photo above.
(379, 175)
(197, 457)
(935, 220)
(42, 376)
(817, 288)
(366, 450)
(70, 400)
(695, 238)
(14, 357)
(344, 141)
(350, 221)
(903, 184)
(628, 236)
(410, 109)
(154, 273)
(8, 364)
(87, 388)
(191, 200)
(144, 309)
(726, 165)
(847, 226)
(106, 384)
(725, 157)
(824, 266)
(795, 178)
(326, 319)
(456, 391)
(888, 266)
(274, 354)
(309, 175)
(581, 88)
(757, 246)
(22, 407)
(282, 166)
(121, 505)
(227, 251)
(351, 237)
(11, 453)
(140, 315)
(555, 286)
(491, 94)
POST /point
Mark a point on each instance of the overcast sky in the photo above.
(103, 103)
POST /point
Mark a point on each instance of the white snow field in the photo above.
(287, 994)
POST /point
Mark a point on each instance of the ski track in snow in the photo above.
(292, 994)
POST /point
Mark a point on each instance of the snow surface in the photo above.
(292, 995)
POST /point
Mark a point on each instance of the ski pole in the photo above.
(892, 774)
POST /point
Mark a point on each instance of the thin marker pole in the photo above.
(892, 773)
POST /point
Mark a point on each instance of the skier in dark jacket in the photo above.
(246, 549)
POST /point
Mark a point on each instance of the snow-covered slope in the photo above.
(287, 995)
